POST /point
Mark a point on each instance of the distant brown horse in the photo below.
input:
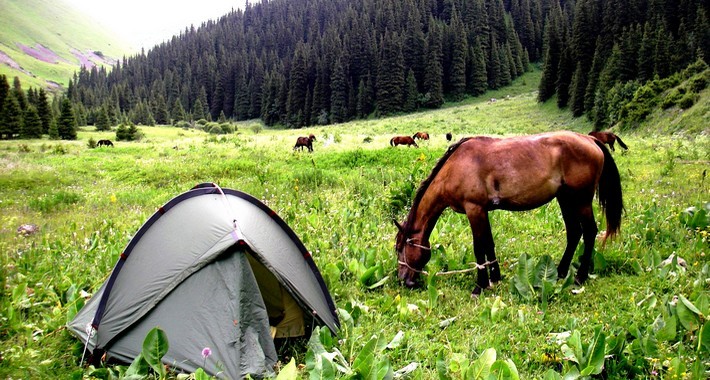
(480, 174)
(608, 138)
(421, 136)
(305, 142)
(104, 143)
(403, 140)
(449, 136)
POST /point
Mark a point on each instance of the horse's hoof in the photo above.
(579, 280)
(476, 292)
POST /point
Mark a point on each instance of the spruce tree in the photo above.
(44, 110)
(477, 81)
(53, 131)
(66, 125)
(459, 47)
(339, 93)
(4, 91)
(102, 120)
(178, 112)
(31, 124)
(433, 86)
(411, 94)
(19, 94)
(390, 75)
(11, 118)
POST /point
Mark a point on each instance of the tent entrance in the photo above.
(285, 315)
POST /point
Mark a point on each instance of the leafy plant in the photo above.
(583, 360)
(537, 280)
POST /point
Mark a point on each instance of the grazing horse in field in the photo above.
(449, 136)
(305, 142)
(104, 143)
(481, 174)
(403, 140)
(421, 136)
(608, 138)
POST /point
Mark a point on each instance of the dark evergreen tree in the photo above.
(19, 93)
(66, 124)
(11, 118)
(338, 96)
(198, 110)
(390, 75)
(4, 91)
(160, 110)
(477, 81)
(53, 131)
(44, 110)
(103, 122)
(494, 65)
(31, 124)
(297, 88)
(459, 48)
(411, 94)
(554, 48)
(178, 112)
(433, 86)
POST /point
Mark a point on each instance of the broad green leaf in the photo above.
(407, 369)
(689, 305)
(289, 372)
(458, 364)
(665, 328)
(368, 275)
(138, 367)
(595, 356)
(552, 375)
(481, 368)
(704, 338)
(200, 374)
(522, 278)
(545, 270)
(383, 370)
(365, 360)
(496, 309)
(155, 346)
(572, 374)
(432, 292)
(687, 318)
(441, 368)
(379, 283)
(504, 370)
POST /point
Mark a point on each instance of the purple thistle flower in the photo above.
(206, 352)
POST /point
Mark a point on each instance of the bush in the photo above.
(698, 83)
(214, 129)
(227, 127)
(256, 128)
(91, 143)
(182, 124)
(201, 122)
(686, 101)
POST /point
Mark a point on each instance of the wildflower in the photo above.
(113, 198)
(206, 352)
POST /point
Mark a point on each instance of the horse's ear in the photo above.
(399, 226)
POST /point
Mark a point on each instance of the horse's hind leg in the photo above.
(573, 225)
(483, 249)
(589, 228)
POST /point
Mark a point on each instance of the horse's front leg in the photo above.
(483, 248)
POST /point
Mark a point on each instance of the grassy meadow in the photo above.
(636, 316)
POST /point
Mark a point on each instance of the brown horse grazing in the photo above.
(421, 136)
(305, 141)
(608, 138)
(480, 174)
(403, 140)
(104, 143)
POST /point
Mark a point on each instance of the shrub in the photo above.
(698, 83)
(201, 122)
(182, 124)
(256, 128)
(686, 101)
(227, 127)
(214, 129)
(91, 143)
(23, 148)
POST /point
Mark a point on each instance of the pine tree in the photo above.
(298, 83)
(19, 94)
(102, 120)
(4, 91)
(31, 124)
(53, 131)
(411, 94)
(433, 86)
(11, 118)
(66, 125)
(178, 112)
(459, 48)
(577, 90)
(494, 65)
(338, 95)
(477, 81)
(44, 110)
(390, 75)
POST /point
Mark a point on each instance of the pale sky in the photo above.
(146, 23)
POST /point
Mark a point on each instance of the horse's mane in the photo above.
(425, 184)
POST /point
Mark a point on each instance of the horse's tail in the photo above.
(621, 143)
(392, 141)
(609, 193)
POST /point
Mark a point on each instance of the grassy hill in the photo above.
(43, 42)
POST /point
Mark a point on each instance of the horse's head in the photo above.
(312, 137)
(411, 255)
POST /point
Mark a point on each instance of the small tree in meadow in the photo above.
(31, 124)
(66, 125)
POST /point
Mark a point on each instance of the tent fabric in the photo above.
(203, 268)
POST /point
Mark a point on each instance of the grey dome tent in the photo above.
(213, 268)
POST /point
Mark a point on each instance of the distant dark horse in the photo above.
(480, 174)
(403, 140)
(104, 143)
(305, 141)
(449, 136)
(421, 136)
(608, 138)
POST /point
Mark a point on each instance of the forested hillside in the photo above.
(298, 63)
(599, 53)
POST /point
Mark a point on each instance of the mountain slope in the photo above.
(44, 42)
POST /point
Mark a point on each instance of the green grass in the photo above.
(340, 201)
(38, 21)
